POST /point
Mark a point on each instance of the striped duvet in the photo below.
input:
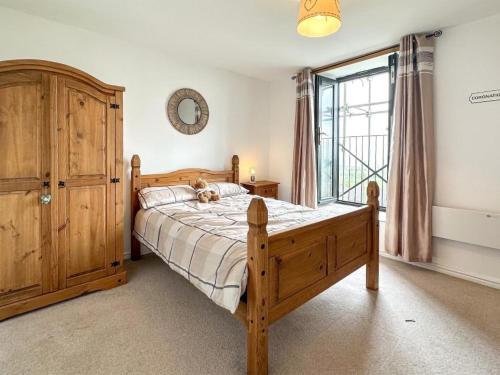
(206, 243)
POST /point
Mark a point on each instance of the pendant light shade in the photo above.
(318, 18)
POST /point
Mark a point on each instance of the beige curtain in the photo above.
(304, 155)
(411, 178)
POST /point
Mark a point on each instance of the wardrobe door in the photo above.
(86, 166)
(26, 161)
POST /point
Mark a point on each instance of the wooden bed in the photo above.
(286, 268)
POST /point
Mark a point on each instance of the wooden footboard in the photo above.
(288, 268)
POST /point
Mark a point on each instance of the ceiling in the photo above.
(255, 37)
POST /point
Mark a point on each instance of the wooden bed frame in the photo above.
(286, 268)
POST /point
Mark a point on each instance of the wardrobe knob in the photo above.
(45, 198)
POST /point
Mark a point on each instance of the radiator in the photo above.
(472, 227)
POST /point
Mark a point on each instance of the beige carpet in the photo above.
(159, 324)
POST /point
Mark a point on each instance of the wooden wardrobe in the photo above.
(61, 191)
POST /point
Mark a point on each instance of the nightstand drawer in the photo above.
(267, 191)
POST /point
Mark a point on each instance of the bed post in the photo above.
(135, 186)
(236, 169)
(372, 265)
(258, 288)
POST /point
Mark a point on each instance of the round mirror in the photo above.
(187, 111)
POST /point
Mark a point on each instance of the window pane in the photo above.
(380, 91)
(326, 123)
(359, 110)
(325, 150)
(341, 94)
(380, 124)
(357, 91)
(382, 107)
(356, 125)
(363, 142)
(326, 160)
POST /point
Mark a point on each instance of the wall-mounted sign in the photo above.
(485, 96)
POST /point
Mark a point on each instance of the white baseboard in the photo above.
(491, 282)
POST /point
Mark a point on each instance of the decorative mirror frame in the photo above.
(173, 114)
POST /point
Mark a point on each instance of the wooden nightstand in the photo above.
(267, 189)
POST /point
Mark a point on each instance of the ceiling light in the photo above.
(318, 18)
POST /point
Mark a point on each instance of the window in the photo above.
(353, 118)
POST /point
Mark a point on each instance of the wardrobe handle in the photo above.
(45, 198)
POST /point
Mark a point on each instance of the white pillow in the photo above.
(227, 189)
(156, 196)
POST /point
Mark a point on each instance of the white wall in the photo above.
(467, 135)
(467, 150)
(282, 99)
(238, 104)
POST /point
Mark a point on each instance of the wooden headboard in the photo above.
(180, 177)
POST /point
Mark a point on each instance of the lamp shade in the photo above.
(318, 18)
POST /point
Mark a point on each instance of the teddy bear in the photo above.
(203, 193)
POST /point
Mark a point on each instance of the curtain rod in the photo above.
(394, 48)
(435, 34)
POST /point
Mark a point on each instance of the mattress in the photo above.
(206, 242)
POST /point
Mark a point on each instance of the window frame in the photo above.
(317, 137)
(391, 69)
